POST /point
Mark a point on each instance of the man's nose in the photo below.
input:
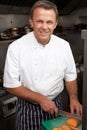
(44, 25)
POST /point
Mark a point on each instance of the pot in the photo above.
(5, 36)
(15, 32)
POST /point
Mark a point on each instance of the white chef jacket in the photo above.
(39, 68)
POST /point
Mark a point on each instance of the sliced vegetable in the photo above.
(73, 122)
(65, 127)
(73, 128)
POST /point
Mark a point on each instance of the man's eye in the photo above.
(39, 21)
(50, 22)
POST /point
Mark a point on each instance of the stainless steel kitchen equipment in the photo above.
(84, 118)
(7, 105)
(7, 101)
(7, 110)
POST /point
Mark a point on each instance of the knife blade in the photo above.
(67, 114)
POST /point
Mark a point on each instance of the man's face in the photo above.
(43, 23)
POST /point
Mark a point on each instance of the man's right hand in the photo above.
(49, 106)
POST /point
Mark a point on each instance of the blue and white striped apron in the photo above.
(29, 116)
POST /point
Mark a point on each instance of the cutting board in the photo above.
(56, 122)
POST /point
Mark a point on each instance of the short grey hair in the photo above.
(46, 5)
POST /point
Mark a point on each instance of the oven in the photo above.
(7, 111)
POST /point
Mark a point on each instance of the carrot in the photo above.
(65, 127)
(73, 122)
(73, 128)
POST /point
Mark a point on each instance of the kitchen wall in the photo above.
(76, 17)
(19, 20)
(74, 37)
(12, 20)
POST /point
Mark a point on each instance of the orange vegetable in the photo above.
(73, 122)
(65, 127)
(73, 128)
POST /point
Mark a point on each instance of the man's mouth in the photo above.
(44, 33)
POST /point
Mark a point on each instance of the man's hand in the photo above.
(49, 106)
(34, 97)
(72, 89)
(75, 106)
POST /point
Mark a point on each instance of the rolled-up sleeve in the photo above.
(70, 72)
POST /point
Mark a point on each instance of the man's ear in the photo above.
(31, 23)
(56, 24)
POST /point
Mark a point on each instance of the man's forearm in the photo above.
(35, 97)
(26, 94)
(72, 89)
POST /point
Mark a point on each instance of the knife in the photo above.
(67, 114)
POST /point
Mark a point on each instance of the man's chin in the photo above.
(44, 37)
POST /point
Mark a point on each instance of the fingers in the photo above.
(79, 110)
(76, 108)
(71, 109)
(51, 112)
(52, 109)
(49, 106)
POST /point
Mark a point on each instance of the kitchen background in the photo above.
(69, 27)
(14, 17)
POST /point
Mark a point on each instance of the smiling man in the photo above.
(43, 22)
(35, 69)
